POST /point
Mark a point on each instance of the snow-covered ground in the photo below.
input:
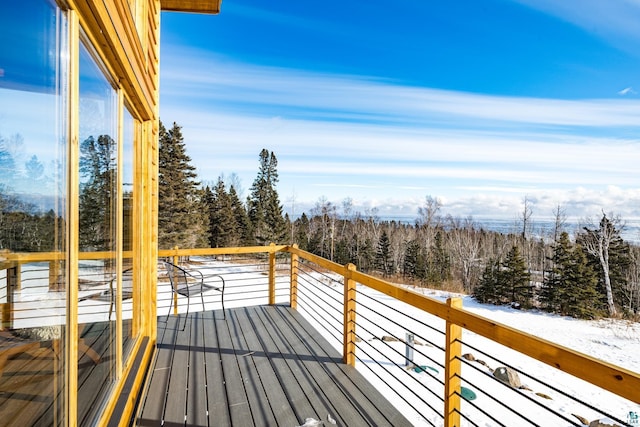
(614, 341)
(383, 362)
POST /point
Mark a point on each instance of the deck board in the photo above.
(154, 403)
(261, 366)
(217, 402)
(176, 401)
(197, 414)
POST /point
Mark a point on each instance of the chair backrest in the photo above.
(177, 277)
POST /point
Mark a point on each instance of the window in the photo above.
(33, 217)
(98, 236)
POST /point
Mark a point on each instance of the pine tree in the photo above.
(263, 204)
(301, 236)
(97, 194)
(182, 217)
(7, 163)
(384, 257)
(550, 296)
(580, 297)
(487, 290)
(515, 280)
(410, 261)
(243, 233)
(439, 263)
(223, 227)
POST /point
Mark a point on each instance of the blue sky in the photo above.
(477, 103)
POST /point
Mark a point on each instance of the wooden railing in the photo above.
(617, 380)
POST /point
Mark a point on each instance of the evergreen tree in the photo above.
(515, 280)
(410, 261)
(263, 204)
(580, 297)
(97, 213)
(550, 295)
(7, 163)
(341, 254)
(34, 170)
(506, 282)
(439, 264)
(384, 257)
(182, 218)
(301, 236)
(487, 291)
(222, 221)
(243, 235)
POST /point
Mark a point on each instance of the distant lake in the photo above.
(539, 227)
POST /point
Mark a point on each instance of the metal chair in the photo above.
(190, 282)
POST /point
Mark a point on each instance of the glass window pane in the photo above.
(129, 293)
(32, 212)
(97, 236)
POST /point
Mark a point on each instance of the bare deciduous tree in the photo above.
(597, 242)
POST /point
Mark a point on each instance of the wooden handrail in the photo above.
(615, 379)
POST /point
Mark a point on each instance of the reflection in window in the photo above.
(128, 293)
(97, 236)
(32, 212)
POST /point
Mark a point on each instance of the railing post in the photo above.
(176, 260)
(272, 274)
(452, 369)
(14, 279)
(54, 275)
(293, 292)
(349, 335)
(7, 308)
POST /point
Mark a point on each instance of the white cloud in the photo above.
(269, 90)
(388, 145)
(627, 91)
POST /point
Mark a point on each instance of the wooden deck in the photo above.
(261, 366)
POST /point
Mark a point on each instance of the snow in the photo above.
(614, 341)
(383, 362)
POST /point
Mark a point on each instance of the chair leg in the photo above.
(224, 313)
(187, 315)
(170, 304)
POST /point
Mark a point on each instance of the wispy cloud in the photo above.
(295, 93)
(627, 91)
(382, 142)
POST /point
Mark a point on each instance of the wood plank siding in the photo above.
(197, 6)
(261, 366)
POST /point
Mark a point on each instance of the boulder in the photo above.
(508, 376)
(583, 420)
(544, 396)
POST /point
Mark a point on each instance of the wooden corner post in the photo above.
(349, 336)
(272, 274)
(453, 369)
(293, 292)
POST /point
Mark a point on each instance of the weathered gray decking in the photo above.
(262, 366)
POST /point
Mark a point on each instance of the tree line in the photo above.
(588, 274)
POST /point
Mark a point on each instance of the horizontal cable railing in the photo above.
(33, 295)
(434, 359)
(245, 277)
(414, 350)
